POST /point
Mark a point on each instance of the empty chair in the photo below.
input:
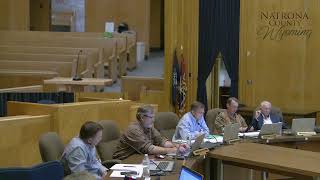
(211, 118)
(51, 170)
(109, 142)
(51, 147)
(165, 123)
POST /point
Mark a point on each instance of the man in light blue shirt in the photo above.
(192, 124)
(80, 154)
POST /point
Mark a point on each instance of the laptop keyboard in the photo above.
(163, 165)
(210, 145)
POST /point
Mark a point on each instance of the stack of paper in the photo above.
(118, 168)
(249, 134)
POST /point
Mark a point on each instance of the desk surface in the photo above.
(194, 163)
(83, 82)
(270, 157)
(288, 138)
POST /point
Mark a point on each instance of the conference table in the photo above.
(292, 156)
(285, 161)
(195, 163)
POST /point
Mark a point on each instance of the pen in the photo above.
(128, 166)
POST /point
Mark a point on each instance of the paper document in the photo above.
(118, 168)
(249, 134)
(214, 139)
(109, 27)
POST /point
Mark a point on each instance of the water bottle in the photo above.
(189, 141)
(146, 166)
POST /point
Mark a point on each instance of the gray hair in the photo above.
(196, 105)
(144, 110)
(265, 103)
(84, 175)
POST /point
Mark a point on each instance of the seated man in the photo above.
(192, 124)
(142, 137)
(264, 116)
(230, 116)
(80, 154)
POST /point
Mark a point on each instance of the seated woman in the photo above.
(142, 137)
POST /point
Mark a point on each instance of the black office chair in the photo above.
(52, 170)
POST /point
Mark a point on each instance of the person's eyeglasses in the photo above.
(149, 116)
(200, 112)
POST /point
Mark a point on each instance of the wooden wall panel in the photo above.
(282, 70)
(155, 23)
(14, 15)
(181, 29)
(312, 73)
(19, 139)
(105, 95)
(132, 85)
(66, 119)
(136, 13)
(153, 97)
(40, 15)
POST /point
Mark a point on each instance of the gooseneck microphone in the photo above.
(77, 77)
(161, 172)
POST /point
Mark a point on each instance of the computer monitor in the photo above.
(188, 174)
(271, 129)
(231, 132)
(303, 125)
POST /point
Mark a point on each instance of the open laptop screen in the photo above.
(188, 174)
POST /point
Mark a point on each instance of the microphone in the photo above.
(76, 77)
(159, 173)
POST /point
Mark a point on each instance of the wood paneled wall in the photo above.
(40, 15)
(181, 29)
(155, 23)
(132, 85)
(136, 13)
(19, 137)
(66, 119)
(14, 15)
(284, 71)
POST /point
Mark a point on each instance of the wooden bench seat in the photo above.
(84, 65)
(107, 47)
(40, 38)
(35, 88)
(92, 54)
(11, 78)
(64, 69)
(27, 72)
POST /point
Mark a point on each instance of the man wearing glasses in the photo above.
(192, 124)
(142, 137)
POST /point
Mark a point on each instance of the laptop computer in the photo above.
(156, 166)
(188, 174)
(168, 166)
(231, 132)
(303, 125)
(194, 146)
(271, 129)
(197, 143)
